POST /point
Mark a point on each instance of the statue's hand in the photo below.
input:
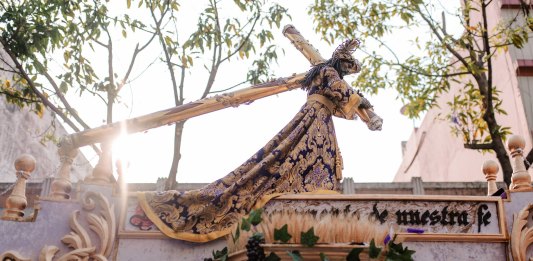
(375, 123)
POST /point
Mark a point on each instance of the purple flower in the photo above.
(415, 230)
(387, 239)
(455, 119)
(503, 195)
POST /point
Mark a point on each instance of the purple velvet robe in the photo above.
(302, 157)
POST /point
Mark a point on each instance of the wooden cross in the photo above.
(232, 99)
(314, 57)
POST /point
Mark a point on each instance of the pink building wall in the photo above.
(435, 154)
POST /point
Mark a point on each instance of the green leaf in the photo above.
(124, 34)
(237, 234)
(354, 254)
(295, 255)
(323, 257)
(168, 40)
(373, 250)
(308, 238)
(282, 234)
(129, 3)
(272, 257)
(221, 254)
(255, 216)
(245, 224)
(39, 67)
(397, 252)
(63, 87)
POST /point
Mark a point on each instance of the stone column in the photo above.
(103, 171)
(46, 187)
(120, 187)
(348, 186)
(62, 186)
(490, 169)
(16, 202)
(418, 186)
(160, 184)
(520, 181)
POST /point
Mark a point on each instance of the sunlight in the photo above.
(122, 155)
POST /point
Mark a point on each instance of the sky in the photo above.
(215, 144)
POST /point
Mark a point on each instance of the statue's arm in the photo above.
(342, 94)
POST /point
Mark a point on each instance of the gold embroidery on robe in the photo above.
(302, 157)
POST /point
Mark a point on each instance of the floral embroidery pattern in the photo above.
(302, 157)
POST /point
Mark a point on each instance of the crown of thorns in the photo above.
(345, 50)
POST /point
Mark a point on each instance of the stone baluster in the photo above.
(490, 169)
(62, 186)
(120, 187)
(418, 186)
(520, 180)
(348, 186)
(103, 171)
(16, 202)
(160, 184)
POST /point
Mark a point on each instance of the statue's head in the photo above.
(343, 59)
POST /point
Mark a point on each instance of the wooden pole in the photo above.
(302, 45)
(183, 112)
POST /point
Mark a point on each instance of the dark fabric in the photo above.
(302, 157)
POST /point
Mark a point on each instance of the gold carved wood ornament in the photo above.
(102, 223)
(13, 256)
(521, 235)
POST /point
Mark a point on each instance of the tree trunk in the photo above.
(503, 158)
(499, 147)
(171, 181)
(497, 141)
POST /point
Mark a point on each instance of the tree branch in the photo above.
(217, 53)
(168, 57)
(130, 67)
(136, 52)
(100, 43)
(64, 100)
(8, 63)
(232, 87)
(479, 146)
(43, 98)
(486, 48)
(467, 27)
(7, 70)
(182, 80)
(110, 88)
(6, 93)
(426, 74)
(441, 39)
(244, 41)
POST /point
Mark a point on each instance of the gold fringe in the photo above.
(202, 238)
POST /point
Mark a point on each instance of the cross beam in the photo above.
(183, 112)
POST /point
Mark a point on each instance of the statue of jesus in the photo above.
(302, 157)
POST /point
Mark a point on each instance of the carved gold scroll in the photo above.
(521, 235)
(100, 215)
